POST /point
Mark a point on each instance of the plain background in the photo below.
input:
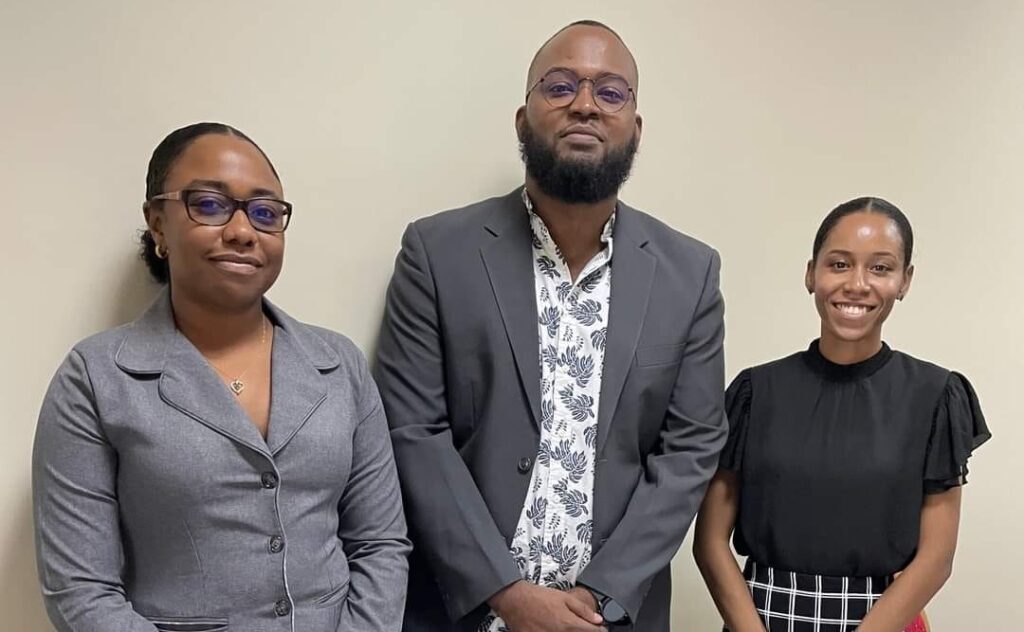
(759, 118)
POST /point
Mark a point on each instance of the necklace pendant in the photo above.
(237, 386)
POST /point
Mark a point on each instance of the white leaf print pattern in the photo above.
(550, 318)
(590, 283)
(587, 313)
(580, 367)
(547, 267)
(574, 501)
(552, 541)
(536, 512)
(563, 291)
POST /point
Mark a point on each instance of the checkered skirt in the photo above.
(795, 602)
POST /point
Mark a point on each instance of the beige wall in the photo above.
(759, 118)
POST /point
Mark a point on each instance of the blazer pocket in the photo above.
(189, 624)
(657, 355)
(331, 597)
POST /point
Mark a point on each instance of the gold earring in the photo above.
(161, 251)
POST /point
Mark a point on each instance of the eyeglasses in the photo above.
(560, 88)
(210, 208)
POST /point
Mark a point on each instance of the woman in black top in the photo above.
(844, 462)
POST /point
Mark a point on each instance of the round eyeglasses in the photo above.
(212, 208)
(560, 88)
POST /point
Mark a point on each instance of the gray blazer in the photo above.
(459, 374)
(158, 505)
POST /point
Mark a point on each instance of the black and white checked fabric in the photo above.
(795, 602)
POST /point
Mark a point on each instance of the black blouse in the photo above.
(834, 460)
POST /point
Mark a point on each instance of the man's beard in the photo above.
(576, 181)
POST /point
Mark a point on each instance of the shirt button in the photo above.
(268, 480)
(276, 544)
(524, 465)
(282, 608)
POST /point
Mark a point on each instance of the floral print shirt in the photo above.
(551, 544)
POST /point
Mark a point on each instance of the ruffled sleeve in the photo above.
(957, 429)
(737, 407)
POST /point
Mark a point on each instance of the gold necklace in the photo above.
(237, 385)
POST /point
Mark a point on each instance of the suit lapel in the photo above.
(632, 277)
(153, 346)
(509, 263)
(189, 384)
(298, 390)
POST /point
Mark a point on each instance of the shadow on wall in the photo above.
(371, 347)
(20, 599)
(133, 293)
(18, 585)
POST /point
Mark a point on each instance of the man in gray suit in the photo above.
(551, 367)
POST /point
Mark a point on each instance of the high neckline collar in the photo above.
(854, 371)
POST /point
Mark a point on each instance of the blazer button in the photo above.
(282, 608)
(276, 544)
(268, 480)
(524, 465)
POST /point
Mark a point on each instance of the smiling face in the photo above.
(227, 267)
(856, 278)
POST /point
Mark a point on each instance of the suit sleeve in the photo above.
(676, 474)
(450, 523)
(372, 525)
(74, 487)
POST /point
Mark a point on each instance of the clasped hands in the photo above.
(526, 607)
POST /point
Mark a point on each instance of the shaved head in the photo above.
(538, 65)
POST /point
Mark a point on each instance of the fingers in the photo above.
(585, 612)
(544, 609)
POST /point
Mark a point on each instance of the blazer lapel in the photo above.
(299, 387)
(190, 384)
(153, 346)
(509, 263)
(632, 276)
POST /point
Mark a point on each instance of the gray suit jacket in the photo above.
(158, 505)
(459, 374)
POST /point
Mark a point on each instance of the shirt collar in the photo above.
(542, 237)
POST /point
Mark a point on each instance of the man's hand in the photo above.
(587, 597)
(526, 607)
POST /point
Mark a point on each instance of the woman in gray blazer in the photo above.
(216, 465)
